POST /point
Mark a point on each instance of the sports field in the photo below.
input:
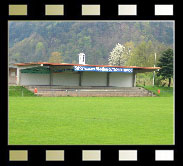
(91, 120)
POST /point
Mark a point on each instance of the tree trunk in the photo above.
(169, 82)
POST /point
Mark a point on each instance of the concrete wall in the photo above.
(34, 79)
(121, 79)
(94, 79)
(65, 79)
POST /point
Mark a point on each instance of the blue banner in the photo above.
(103, 69)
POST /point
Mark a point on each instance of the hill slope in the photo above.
(35, 41)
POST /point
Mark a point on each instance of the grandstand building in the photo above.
(64, 74)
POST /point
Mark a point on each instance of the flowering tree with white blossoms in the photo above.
(119, 55)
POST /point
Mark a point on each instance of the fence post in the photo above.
(67, 92)
(77, 92)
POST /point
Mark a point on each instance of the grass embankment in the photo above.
(164, 91)
(90, 120)
(17, 91)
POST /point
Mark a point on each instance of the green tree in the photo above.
(166, 64)
(40, 51)
(55, 57)
(143, 55)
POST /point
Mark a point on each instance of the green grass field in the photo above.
(91, 120)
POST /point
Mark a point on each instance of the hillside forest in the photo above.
(62, 41)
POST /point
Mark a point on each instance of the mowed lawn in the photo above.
(91, 120)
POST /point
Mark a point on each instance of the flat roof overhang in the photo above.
(136, 69)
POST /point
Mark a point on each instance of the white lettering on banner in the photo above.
(103, 69)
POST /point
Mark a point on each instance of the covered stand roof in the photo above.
(135, 68)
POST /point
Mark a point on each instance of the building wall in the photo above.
(65, 79)
(34, 79)
(94, 79)
(72, 79)
(12, 76)
(121, 79)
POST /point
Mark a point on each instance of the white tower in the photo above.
(82, 58)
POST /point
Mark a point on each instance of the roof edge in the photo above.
(69, 64)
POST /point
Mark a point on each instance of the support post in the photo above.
(51, 78)
(134, 79)
(80, 78)
(154, 71)
(153, 78)
(18, 76)
(108, 77)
